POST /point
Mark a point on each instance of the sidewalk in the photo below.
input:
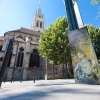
(49, 90)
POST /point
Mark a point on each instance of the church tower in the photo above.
(38, 21)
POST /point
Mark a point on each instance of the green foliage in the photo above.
(54, 43)
(95, 1)
(95, 37)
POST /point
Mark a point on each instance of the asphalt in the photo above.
(49, 90)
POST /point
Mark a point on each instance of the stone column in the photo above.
(13, 61)
(6, 42)
(27, 53)
(5, 45)
(14, 54)
(26, 58)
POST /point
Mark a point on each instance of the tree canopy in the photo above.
(54, 43)
(95, 37)
(95, 1)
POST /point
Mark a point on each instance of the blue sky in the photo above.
(19, 13)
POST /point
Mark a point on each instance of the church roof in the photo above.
(21, 40)
(30, 31)
(27, 31)
(2, 38)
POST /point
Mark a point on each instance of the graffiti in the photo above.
(84, 60)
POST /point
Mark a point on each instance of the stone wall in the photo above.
(23, 74)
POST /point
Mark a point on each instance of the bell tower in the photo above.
(38, 21)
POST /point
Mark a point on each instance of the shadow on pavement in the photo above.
(49, 93)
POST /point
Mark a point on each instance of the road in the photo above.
(49, 90)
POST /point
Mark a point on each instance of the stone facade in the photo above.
(25, 63)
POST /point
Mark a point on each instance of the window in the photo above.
(20, 57)
(41, 25)
(37, 24)
(34, 58)
(1, 58)
(9, 60)
(37, 40)
(1, 48)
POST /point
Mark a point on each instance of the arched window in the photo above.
(20, 57)
(37, 24)
(40, 24)
(37, 60)
(1, 48)
(9, 60)
(1, 58)
(31, 60)
(34, 59)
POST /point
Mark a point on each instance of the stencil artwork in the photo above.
(86, 67)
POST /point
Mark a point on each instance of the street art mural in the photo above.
(84, 60)
(85, 64)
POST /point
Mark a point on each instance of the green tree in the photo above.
(95, 37)
(95, 1)
(54, 43)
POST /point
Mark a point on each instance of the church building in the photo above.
(24, 61)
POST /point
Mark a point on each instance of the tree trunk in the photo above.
(53, 71)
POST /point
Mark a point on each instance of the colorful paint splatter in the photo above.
(86, 67)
